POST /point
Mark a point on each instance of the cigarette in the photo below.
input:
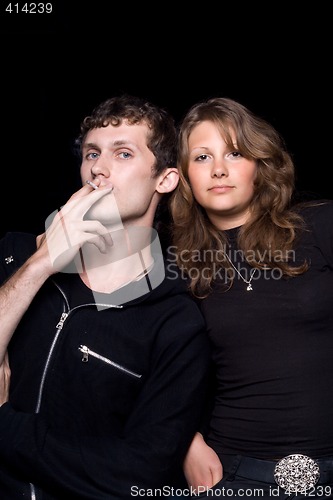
(91, 184)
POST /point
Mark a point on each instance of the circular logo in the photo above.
(296, 473)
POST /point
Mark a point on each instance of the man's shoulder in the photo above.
(15, 249)
(18, 245)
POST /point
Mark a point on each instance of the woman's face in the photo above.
(222, 180)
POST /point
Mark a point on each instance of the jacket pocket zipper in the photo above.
(88, 352)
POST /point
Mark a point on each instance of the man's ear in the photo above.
(168, 180)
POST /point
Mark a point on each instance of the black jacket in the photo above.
(103, 401)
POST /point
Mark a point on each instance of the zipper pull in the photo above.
(62, 321)
(84, 349)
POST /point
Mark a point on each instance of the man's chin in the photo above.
(105, 211)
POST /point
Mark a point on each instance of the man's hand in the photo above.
(67, 231)
(4, 380)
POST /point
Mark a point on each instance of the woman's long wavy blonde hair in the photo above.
(269, 235)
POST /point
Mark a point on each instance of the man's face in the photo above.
(118, 157)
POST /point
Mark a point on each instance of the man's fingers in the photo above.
(84, 199)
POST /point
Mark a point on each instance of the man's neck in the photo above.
(127, 260)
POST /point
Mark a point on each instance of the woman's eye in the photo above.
(235, 154)
(201, 158)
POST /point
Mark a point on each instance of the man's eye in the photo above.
(125, 155)
(92, 156)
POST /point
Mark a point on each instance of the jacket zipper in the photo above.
(88, 352)
(59, 327)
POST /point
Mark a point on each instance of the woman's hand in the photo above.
(202, 466)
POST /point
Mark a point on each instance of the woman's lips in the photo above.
(221, 189)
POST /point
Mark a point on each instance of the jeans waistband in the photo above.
(263, 470)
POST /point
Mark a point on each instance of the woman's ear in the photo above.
(168, 180)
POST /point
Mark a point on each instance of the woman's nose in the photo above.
(219, 170)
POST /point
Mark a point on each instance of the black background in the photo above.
(56, 67)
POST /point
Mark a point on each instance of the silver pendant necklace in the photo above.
(248, 282)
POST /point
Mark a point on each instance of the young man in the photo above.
(107, 352)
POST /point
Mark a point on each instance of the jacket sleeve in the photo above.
(15, 248)
(150, 454)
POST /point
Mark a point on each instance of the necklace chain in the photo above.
(248, 282)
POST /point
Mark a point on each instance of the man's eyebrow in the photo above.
(118, 142)
(89, 145)
(124, 142)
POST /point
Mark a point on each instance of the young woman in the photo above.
(262, 270)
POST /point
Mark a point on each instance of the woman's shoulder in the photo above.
(316, 211)
(318, 218)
